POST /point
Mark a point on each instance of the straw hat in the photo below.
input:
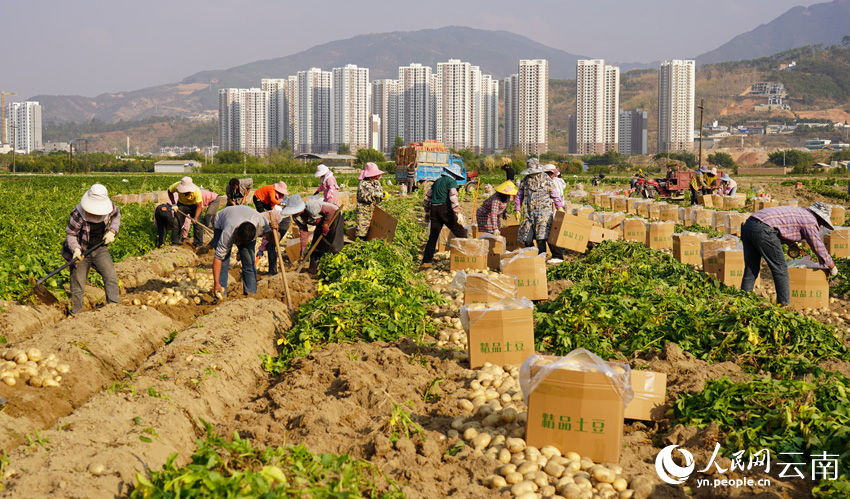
(453, 170)
(280, 187)
(186, 185)
(507, 187)
(725, 177)
(294, 205)
(96, 201)
(823, 211)
(370, 171)
(321, 170)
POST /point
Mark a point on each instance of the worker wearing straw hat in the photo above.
(322, 215)
(186, 199)
(495, 207)
(369, 194)
(766, 230)
(328, 188)
(536, 198)
(269, 196)
(442, 208)
(96, 219)
(728, 187)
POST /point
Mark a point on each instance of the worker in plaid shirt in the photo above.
(95, 221)
(764, 232)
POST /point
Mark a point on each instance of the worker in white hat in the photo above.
(328, 188)
(91, 227)
(186, 199)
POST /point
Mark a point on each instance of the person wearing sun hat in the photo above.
(442, 208)
(555, 175)
(766, 230)
(328, 188)
(271, 195)
(487, 215)
(728, 187)
(369, 194)
(322, 215)
(537, 198)
(96, 219)
(186, 199)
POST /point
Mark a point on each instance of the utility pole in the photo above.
(699, 163)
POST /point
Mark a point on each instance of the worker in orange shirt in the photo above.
(269, 196)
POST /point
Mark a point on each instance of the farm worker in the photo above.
(187, 200)
(369, 193)
(163, 219)
(555, 175)
(494, 207)
(764, 232)
(323, 216)
(211, 202)
(279, 223)
(328, 187)
(240, 226)
(728, 186)
(442, 208)
(633, 182)
(536, 196)
(510, 173)
(701, 183)
(237, 190)
(269, 196)
(96, 219)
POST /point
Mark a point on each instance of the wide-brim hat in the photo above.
(186, 185)
(549, 167)
(321, 171)
(712, 171)
(294, 205)
(507, 187)
(371, 170)
(823, 211)
(96, 201)
(281, 188)
(533, 169)
(726, 177)
(454, 171)
(704, 169)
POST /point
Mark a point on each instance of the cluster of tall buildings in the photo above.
(318, 111)
(21, 127)
(599, 126)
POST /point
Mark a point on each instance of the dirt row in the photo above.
(208, 372)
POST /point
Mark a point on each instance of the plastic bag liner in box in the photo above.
(699, 235)
(804, 263)
(529, 252)
(469, 246)
(714, 244)
(577, 360)
(506, 304)
(500, 285)
(487, 236)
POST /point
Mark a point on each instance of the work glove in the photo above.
(109, 237)
(793, 251)
(385, 196)
(833, 271)
(461, 220)
(325, 230)
(77, 256)
(174, 208)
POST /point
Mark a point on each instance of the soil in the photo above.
(18, 322)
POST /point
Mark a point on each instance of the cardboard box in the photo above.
(618, 203)
(760, 204)
(497, 246)
(705, 200)
(733, 222)
(655, 210)
(735, 201)
(686, 248)
(717, 200)
(468, 254)
(700, 216)
(481, 288)
(443, 240)
(730, 267)
(792, 202)
(510, 233)
(809, 288)
(581, 411)
(709, 249)
(643, 208)
(570, 232)
(634, 229)
(838, 242)
(529, 268)
(609, 220)
(511, 219)
(632, 205)
(599, 234)
(293, 249)
(650, 391)
(503, 336)
(596, 198)
(837, 215)
(669, 213)
(382, 227)
(605, 201)
(659, 235)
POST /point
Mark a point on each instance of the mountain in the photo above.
(496, 52)
(823, 23)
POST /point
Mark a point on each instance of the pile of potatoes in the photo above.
(187, 289)
(32, 367)
(496, 428)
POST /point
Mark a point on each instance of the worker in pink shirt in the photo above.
(328, 188)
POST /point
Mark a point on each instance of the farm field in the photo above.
(366, 390)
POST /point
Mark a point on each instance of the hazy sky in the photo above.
(87, 47)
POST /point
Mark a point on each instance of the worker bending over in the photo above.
(494, 208)
(239, 226)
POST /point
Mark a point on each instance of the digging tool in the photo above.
(282, 269)
(43, 294)
(206, 229)
(313, 247)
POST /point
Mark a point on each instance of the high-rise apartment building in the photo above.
(314, 116)
(385, 100)
(633, 134)
(676, 80)
(597, 102)
(278, 89)
(489, 114)
(454, 93)
(527, 107)
(228, 119)
(243, 120)
(23, 126)
(352, 115)
(416, 103)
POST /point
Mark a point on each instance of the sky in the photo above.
(87, 47)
